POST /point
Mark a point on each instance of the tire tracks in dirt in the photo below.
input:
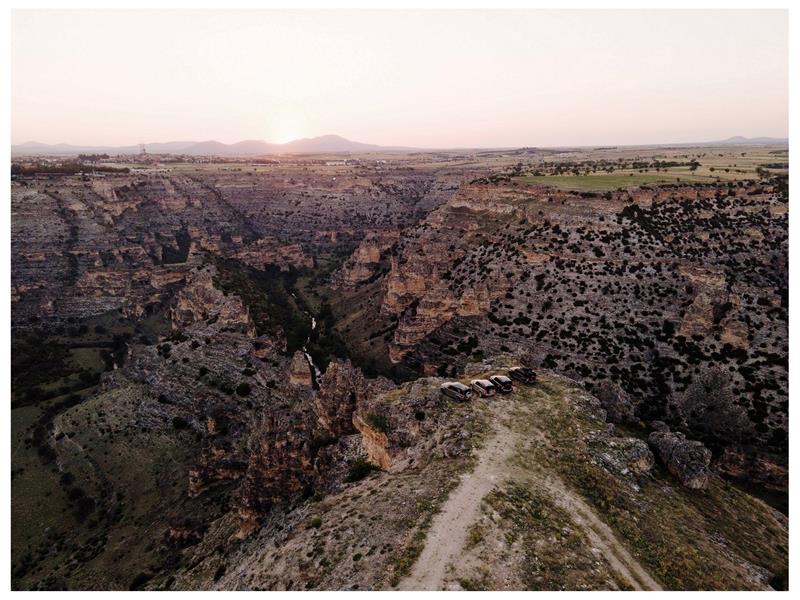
(448, 531)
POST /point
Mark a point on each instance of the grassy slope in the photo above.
(136, 477)
(40, 506)
(687, 539)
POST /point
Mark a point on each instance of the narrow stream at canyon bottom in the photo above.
(310, 360)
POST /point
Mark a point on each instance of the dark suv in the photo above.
(482, 387)
(456, 391)
(502, 383)
(523, 375)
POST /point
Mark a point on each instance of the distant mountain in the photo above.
(333, 143)
(324, 144)
(739, 140)
(317, 145)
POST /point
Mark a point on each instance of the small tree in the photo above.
(709, 408)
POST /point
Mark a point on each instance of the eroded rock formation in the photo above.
(686, 460)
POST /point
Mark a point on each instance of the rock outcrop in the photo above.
(617, 403)
(375, 442)
(400, 426)
(754, 466)
(620, 455)
(216, 464)
(183, 532)
(686, 460)
(265, 253)
(280, 467)
(201, 302)
(300, 370)
(307, 447)
(341, 389)
(365, 262)
(420, 287)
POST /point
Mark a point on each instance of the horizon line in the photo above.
(396, 147)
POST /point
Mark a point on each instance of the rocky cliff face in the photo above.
(263, 253)
(280, 466)
(643, 289)
(342, 389)
(419, 288)
(368, 259)
(309, 447)
(300, 370)
(85, 245)
(201, 302)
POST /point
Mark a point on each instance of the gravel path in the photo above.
(448, 531)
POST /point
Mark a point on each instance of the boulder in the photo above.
(659, 426)
(686, 460)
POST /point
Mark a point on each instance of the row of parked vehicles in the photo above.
(489, 387)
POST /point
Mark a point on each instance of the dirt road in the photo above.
(448, 531)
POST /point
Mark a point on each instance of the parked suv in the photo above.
(482, 387)
(523, 375)
(456, 391)
(503, 384)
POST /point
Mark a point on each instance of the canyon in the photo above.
(225, 374)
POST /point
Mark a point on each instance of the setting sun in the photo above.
(284, 132)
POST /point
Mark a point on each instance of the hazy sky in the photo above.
(423, 78)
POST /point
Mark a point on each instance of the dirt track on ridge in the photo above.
(448, 532)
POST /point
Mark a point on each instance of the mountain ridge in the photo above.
(328, 143)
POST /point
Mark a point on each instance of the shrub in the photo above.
(377, 421)
(360, 469)
(139, 581)
(243, 389)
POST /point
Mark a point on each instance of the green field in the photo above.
(712, 165)
(608, 181)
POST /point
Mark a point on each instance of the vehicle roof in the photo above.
(500, 377)
(457, 385)
(482, 381)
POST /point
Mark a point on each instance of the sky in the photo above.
(436, 79)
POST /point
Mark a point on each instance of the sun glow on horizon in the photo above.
(284, 124)
(284, 133)
(471, 78)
